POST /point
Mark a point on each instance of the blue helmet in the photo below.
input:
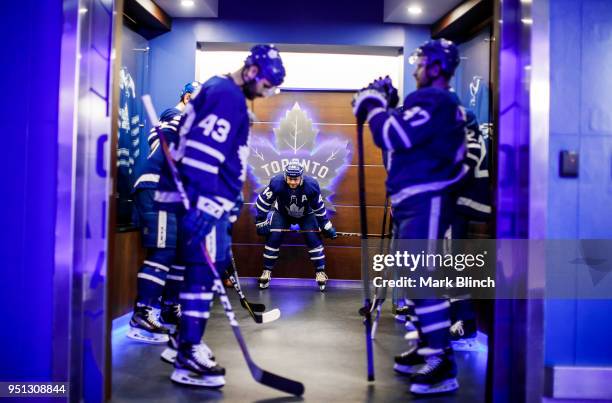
(441, 51)
(190, 88)
(294, 170)
(269, 62)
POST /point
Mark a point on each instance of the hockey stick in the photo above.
(380, 300)
(365, 260)
(304, 231)
(255, 307)
(255, 310)
(262, 376)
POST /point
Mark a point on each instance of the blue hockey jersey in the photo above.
(148, 178)
(474, 193)
(128, 150)
(424, 142)
(212, 148)
(293, 203)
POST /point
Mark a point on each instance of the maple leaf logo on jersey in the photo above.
(297, 139)
(295, 211)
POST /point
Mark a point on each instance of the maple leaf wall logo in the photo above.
(296, 139)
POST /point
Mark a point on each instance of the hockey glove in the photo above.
(366, 100)
(197, 224)
(329, 231)
(385, 86)
(234, 213)
(263, 228)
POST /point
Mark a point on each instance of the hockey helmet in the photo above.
(441, 51)
(293, 170)
(190, 88)
(269, 62)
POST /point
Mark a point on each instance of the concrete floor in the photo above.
(319, 340)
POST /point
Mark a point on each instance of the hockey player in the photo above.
(425, 146)
(293, 198)
(225, 266)
(160, 274)
(211, 157)
(473, 205)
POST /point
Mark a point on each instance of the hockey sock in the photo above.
(434, 322)
(150, 283)
(196, 299)
(174, 282)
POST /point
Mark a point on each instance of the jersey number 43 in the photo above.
(215, 127)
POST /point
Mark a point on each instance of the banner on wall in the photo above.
(323, 157)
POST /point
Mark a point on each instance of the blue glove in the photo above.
(367, 99)
(197, 224)
(329, 231)
(234, 213)
(385, 86)
(263, 228)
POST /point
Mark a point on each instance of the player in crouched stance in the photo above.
(293, 198)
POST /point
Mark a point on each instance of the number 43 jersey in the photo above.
(213, 148)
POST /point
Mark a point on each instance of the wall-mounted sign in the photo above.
(323, 157)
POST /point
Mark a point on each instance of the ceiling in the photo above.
(397, 10)
(391, 11)
(200, 8)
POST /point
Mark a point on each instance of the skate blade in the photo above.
(321, 287)
(400, 318)
(466, 344)
(449, 385)
(186, 377)
(147, 337)
(168, 355)
(263, 286)
(405, 369)
(409, 326)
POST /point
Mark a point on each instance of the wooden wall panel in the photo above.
(322, 107)
(347, 192)
(373, 154)
(128, 258)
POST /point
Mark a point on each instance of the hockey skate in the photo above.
(264, 279)
(412, 333)
(401, 313)
(145, 326)
(463, 335)
(408, 362)
(438, 375)
(170, 315)
(194, 367)
(171, 350)
(321, 279)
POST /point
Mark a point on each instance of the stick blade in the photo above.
(267, 317)
(281, 383)
(271, 315)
